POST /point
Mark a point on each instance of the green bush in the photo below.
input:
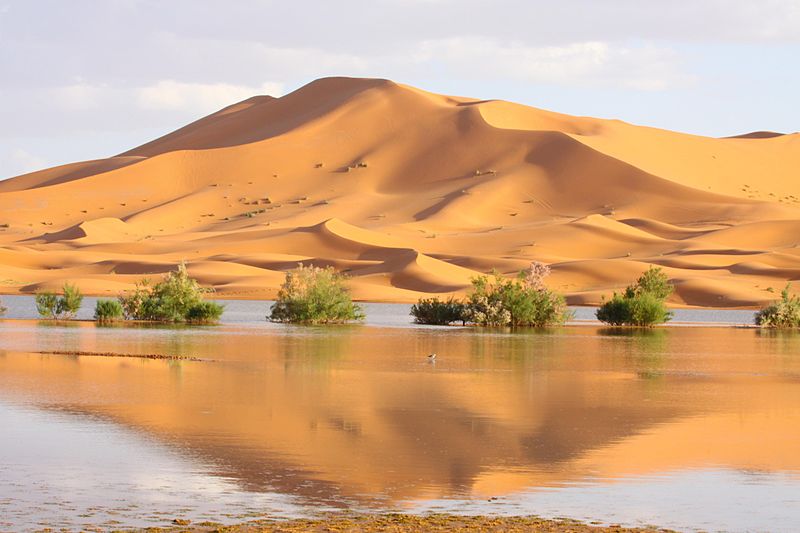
(65, 307)
(434, 311)
(642, 304)
(46, 304)
(313, 295)
(133, 302)
(176, 298)
(616, 311)
(785, 313)
(499, 301)
(647, 309)
(205, 313)
(523, 301)
(70, 303)
(108, 311)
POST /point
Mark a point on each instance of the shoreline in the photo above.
(394, 522)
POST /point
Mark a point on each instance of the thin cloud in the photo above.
(172, 95)
(579, 64)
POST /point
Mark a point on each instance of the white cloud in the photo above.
(591, 63)
(17, 161)
(171, 95)
(79, 96)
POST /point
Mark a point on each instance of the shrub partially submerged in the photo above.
(642, 304)
(499, 301)
(64, 307)
(438, 312)
(523, 301)
(314, 295)
(176, 298)
(784, 313)
(108, 311)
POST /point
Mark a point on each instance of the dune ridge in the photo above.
(413, 193)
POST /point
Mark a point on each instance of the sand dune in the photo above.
(413, 193)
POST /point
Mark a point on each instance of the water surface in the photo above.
(691, 428)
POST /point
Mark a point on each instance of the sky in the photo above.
(85, 79)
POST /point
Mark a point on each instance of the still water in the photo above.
(689, 428)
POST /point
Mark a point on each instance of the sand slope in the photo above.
(413, 193)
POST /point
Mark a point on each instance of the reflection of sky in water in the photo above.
(63, 470)
(581, 422)
(67, 471)
(711, 500)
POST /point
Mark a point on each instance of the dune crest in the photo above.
(413, 193)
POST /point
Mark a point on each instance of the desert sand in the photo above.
(412, 194)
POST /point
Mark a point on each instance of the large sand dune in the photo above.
(413, 193)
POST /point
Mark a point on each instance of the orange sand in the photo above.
(447, 188)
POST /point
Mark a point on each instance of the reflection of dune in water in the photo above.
(357, 414)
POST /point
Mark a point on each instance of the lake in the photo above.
(685, 427)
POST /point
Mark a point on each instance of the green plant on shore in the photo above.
(781, 314)
(314, 295)
(641, 304)
(108, 311)
(64, 307)
(499, 301)
(176, 298)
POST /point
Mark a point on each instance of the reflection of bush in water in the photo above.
(646, 347)
(646, 341)
(317, 347)
(515, 343)
(783, 341)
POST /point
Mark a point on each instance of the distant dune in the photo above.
(413, 193)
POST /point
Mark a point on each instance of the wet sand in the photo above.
(405, 523)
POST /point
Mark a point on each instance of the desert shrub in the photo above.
(434, 311)
(647, 309)
(46, 304)
(108, 311)
(313, 295)
(523, 301)
(641, 304)
(64, 307)
(615, 311)
(70, 302)
(204, 313)
(176, 298)
(133, 302)
(784, 313)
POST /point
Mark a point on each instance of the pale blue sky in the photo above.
(83, 79)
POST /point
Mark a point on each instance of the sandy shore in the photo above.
(404, 523)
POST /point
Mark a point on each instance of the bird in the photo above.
(432, 357)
